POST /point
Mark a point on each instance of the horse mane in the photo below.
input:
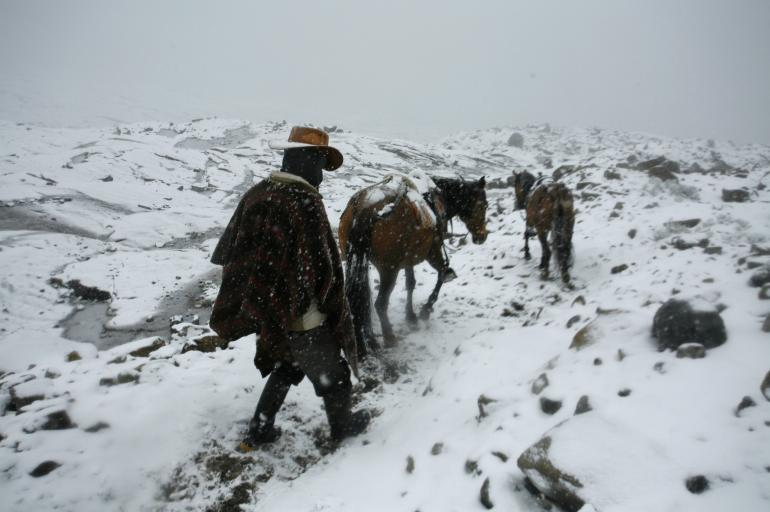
(454, 192)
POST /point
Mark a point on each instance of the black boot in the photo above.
(342, 422)
(262, 426)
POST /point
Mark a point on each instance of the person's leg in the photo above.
(262, 426)
(319, 357)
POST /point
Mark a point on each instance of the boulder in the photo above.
(516, 140)
(590, 458)
(765, 387)
(760, 277)
(660, 168)
(735, 196)
(679, 321)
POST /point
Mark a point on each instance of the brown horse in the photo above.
(391, 225)
(549, 208)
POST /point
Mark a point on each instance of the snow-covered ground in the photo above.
(135, 212)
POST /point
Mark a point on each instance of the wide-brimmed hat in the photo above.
(302, 137)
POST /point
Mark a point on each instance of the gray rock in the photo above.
(561, 486)
(764, 293)
(516, 140)
(618, 269)
(611, 175)
(572, 321)
(765, 387)
(691, 351)
(632, 234)
(484, 495)
(44, 468)
(583, 405)
(677, 323)
(745, 403)
(540, 383)
(410, 465)
(766, 324)
(735, 196)
(549, 406)
(58, 420)
(697, 484)
(761, 277)
(681, 224)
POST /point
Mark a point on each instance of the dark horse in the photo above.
(549, 207)
(391, 225)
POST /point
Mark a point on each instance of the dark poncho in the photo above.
(279, 255)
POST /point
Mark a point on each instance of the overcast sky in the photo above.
(689, 68)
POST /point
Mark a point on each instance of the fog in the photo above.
(685, 68)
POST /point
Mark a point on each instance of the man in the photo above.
(283, 279)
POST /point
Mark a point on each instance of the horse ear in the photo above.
(483, 181)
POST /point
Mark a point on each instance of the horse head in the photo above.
(467, 200)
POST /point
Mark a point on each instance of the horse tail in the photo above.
(358, 252)
(563, 224)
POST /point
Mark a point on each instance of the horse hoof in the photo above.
(411, 319)
(425, 314)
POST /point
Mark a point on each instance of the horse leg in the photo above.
(437, 262)
(411, 318)
(545, 260)
(527, 255)
(387, 283)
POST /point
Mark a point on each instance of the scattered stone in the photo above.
(90, 293)
(618, 269)
(681, 224)
(766, 324)
(152, 347)
(676, 322)
(472, 467)
(572, 321)
(632, 234)
(759, 251)
(746, 402)
(713, 250)
(437, 448)
(96, 427)
(559, 486)
(660, 367)
(697, 484)
(620, 355)
(18, 402)
(764, 293)
(122, 378)
(624, 392)
(118, 360)
(735, 196)
(691, 351)
(500, 455)
(52, 373)
(549, 406)
(516, 140)
(410, 465)
(44, 468)
(583, 405)
(481, 402)
(540, 384)
(612, 175)
(206, 344)
(761, 277)
(765, 387)
(58, 420)
(579, 300)
(598, 361)
(73, 356)
(484, 495)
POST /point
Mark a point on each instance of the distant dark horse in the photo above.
(549, 207)
(391, 225)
